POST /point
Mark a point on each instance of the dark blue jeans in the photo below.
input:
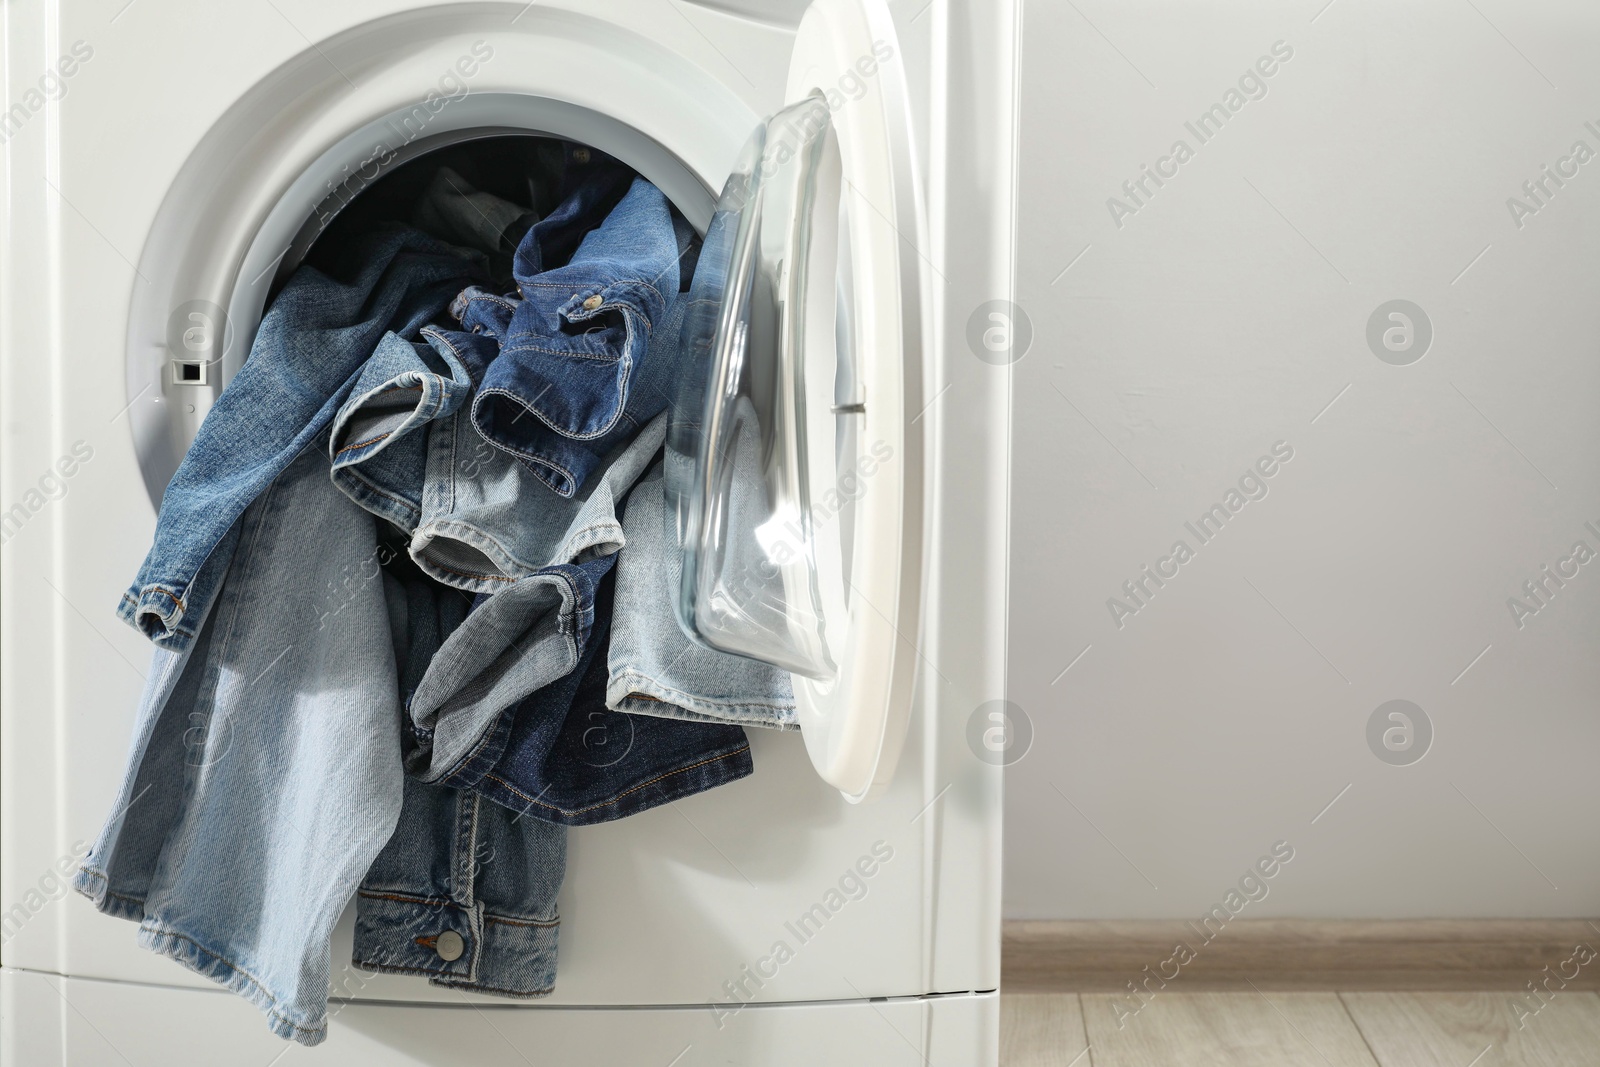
(562, 756)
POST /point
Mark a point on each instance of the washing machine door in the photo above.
(794, 465)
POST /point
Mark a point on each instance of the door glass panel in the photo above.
(759, 429)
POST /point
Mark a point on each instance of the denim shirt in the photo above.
(316, 338)
(571, 380)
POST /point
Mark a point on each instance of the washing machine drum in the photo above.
(795, 454)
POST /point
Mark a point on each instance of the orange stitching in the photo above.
(402, 898)
(169, 596)
(362, 444)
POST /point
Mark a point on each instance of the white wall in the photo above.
(1224, 316)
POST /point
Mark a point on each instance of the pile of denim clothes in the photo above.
(411, 596)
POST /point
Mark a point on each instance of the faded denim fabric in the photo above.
(464, 893)
(490, 526)
(488, 522)
(266, 772)
(572, 380)
(379, 457)
(569, 759)
(312, 343)
(326, 706)
(655, 669)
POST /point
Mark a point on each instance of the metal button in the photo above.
(593, 302)
(449, 946)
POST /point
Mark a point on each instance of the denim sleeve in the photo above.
(306, 357)
(564, 390)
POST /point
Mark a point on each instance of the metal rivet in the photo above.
(592, 303)
(449, 946)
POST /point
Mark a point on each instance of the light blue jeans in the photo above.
(655, 668)
(491, 525)
(266, 770)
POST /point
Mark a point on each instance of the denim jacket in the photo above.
(318, 334)
(572, 379)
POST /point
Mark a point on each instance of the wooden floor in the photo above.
(1277, 1029)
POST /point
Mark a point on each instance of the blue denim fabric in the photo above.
(455, 863)
(488, 522)
(452, 210)
(460, 864)
(569, 759)
(565, 390)
(266, 772)
(312, 343)
(655, 669)
(379, 458)
(489, 526)
(590, 186)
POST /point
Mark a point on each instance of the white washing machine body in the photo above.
(164, 157)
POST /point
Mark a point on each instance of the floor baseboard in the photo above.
(1301, 954)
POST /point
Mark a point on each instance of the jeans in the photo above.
(655, 669)
(572, 379)
(464, 892)
(266, 772)
(324, 710)
(312, 343)
(489, 526)
(589, 186)
(481, 522)
(569, 759)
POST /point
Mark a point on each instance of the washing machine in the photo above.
(165, 159)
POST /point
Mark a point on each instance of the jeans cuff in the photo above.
(94, 884)
(157, 610)
(403, 933)
(637, 693)
(306, 1024)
